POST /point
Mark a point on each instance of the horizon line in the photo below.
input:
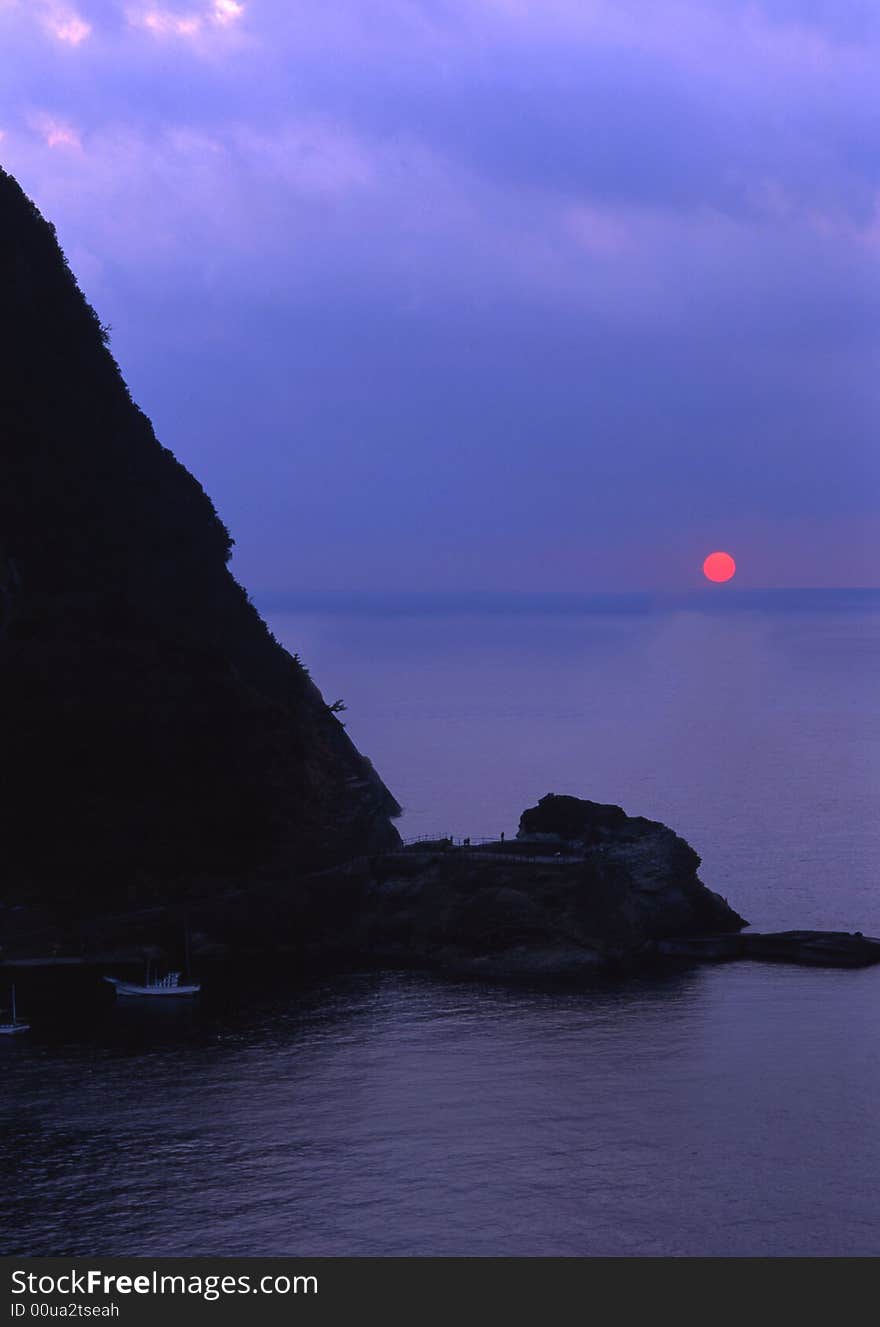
(720, 596)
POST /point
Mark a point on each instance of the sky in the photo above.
(481, 294)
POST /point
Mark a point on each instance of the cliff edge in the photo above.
(153, 729)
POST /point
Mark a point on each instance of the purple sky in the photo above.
(515, 294)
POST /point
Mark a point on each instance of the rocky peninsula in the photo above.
(584, 887)
(584, 890)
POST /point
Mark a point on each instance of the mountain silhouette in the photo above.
(153, 730)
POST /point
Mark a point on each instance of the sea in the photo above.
(727, 1110)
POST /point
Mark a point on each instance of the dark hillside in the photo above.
(152, 728)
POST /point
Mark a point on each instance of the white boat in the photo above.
(170, 986)
(10, 1029)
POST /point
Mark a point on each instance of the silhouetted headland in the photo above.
(154, 732)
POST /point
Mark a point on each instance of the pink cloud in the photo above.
(227, 11)
(164, 22)
(57, 133)
(66, 25)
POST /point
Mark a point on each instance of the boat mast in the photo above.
(14, 1019)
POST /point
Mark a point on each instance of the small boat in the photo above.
(10, 1029)
(169, 986)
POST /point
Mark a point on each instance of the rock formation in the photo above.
(153, 731)
(584, 888)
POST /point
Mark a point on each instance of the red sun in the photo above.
(719, 567)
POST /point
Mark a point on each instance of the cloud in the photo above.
(66, 25)
(571, 136)
(165, 22)
(58, 20)
(227, 11)
(56, 133)
(190, 23)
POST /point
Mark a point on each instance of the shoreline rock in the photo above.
(837, 949)
(584, 889)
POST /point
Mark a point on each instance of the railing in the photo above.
(456, 842)
(472, 847)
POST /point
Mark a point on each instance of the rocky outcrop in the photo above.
(554, 905)
(814, 949)
(562, 820)
(153, 730)
(818, 949)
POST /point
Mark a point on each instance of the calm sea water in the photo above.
(728, 1110)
